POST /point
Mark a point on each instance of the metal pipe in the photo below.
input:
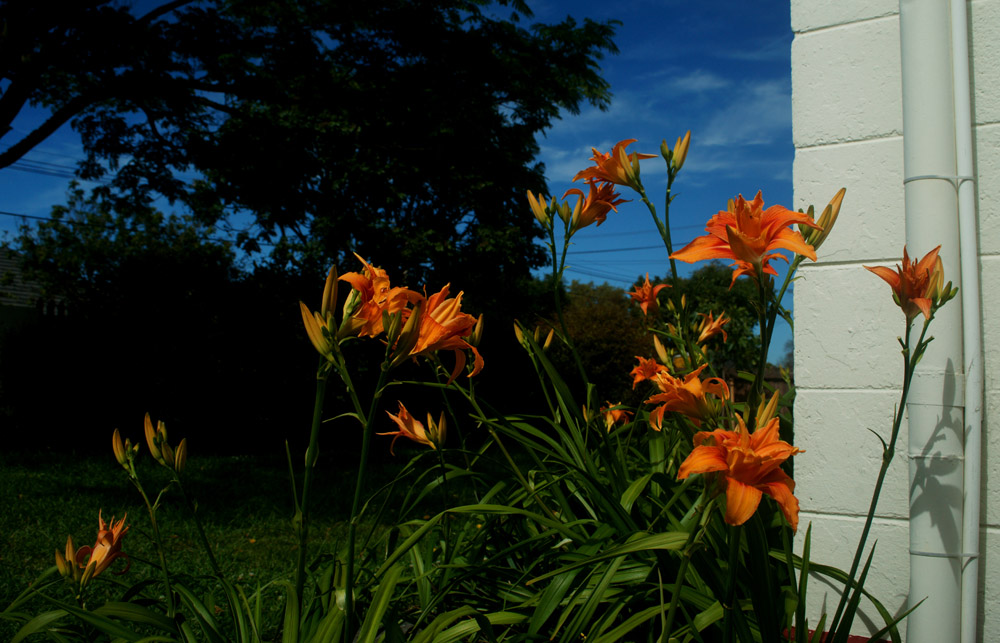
(935, 423)
(972, 332)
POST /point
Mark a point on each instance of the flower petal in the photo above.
(741, 501)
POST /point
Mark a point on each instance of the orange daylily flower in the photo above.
(618, 167)
(686, 396)
(915, 284)
(749, 236)
(375, 296)
(646, 370)
(614, 414)
(594, 206)
(443, 326)
(710, 326)
(105, 551)
(409, 427)
(646, 296)
(749, 465)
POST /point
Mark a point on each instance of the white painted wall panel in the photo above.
(808, 15)
(834, 539)
(985, 45)
(991, 321)
(846, 326)
(846, 83)
(987, 140)
(833, 428)
(871, 218)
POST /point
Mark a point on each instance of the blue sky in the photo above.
(720, 68)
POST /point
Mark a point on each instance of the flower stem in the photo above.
(735, 534)
(368, 423)
(682, 571)
(662, 226)
(558, 265)
(312, 454)
(201, 530)
(171, 608)
(910, 359)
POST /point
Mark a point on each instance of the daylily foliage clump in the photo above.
(672, 521)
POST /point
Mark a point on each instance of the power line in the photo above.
(111, 227)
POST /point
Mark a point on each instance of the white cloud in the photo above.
(758, 114)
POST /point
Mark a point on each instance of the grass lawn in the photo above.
(244, 502)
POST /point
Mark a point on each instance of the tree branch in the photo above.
(163, 10)
(59, 118)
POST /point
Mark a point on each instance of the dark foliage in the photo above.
(403, 131)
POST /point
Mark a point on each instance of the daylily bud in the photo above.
(168, 454)
(61, 565)
(408, 337)
(477, 332)
(151, 440)
(350, 305)
(392, 324)
(661, 351)
(765, 412)
(804, 230)
(563, 210)
(518, 334)
(574, 217)
(537, 334)
(437, 431)
(119, 449)
(72, 569)
(548, 339)
(681, 150)
(538, 208)
(88, 573)
(329, 293)
(180, 457)
(816, 237)
(314, 329)
(67, 564)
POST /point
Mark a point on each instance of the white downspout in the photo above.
(934, 425)
(971, 319)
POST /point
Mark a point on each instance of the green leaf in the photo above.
(635, 490)
(379, 605)
(38, 624)
(204, 614)
(671, 540)
(136, 614)
(463, 630)
(290, 628)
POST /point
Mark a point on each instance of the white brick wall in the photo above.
(847, 124)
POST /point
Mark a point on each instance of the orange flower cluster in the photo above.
(96, 559)
(614, 414)
(748, 465)
(709, 327)
(646, 294)
(593, 206)
(749, 236)
(618, 167)
(687, 396)
(429, 324)
(433, 435)
(375, 296)
(917, 286)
